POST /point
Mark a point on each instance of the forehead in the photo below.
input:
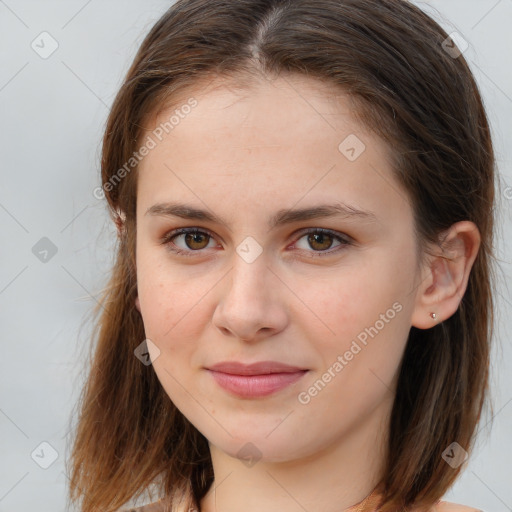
(279, 139)
(296, 96)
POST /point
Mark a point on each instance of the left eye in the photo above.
(196, 239)
(316, 238)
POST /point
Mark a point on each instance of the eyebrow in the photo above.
(281, 218)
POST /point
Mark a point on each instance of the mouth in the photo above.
(255, 380)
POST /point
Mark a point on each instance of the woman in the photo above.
(300, 313)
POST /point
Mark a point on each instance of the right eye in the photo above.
(192, 237)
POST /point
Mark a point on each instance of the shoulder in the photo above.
(447, 506)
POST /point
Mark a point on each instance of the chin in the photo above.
(251, 446)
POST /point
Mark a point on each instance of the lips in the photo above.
(259, 368)
(255, 380)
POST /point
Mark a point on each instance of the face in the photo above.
(329, 295)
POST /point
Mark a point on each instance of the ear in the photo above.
(445, 275)
(137, 303)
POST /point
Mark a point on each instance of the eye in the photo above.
(321, 239)
(195, 240)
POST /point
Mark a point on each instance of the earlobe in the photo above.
(446, 276)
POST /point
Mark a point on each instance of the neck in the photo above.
(337, 478)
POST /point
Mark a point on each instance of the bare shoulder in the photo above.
(447, 506)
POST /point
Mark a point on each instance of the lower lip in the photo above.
(250, 386)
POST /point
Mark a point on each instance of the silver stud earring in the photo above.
(433, 315)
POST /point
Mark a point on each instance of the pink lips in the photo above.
(255, 380)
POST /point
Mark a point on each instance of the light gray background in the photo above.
(52, 116)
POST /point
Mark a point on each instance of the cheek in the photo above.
(361, 315)
(174, 317)
(352, 297)
(162, 299)
(167, 313)
(174, 310)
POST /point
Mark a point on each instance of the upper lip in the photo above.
(259, 368)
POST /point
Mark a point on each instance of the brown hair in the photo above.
(391, 59)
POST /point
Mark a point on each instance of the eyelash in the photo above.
(167, 240)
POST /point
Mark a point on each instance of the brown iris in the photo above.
(318, 238)
(195, 238)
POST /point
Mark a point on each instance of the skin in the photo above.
(244, 155)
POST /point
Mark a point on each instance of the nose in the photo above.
(252, 303)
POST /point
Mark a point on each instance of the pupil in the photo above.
(193, 238)
(318, 238)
